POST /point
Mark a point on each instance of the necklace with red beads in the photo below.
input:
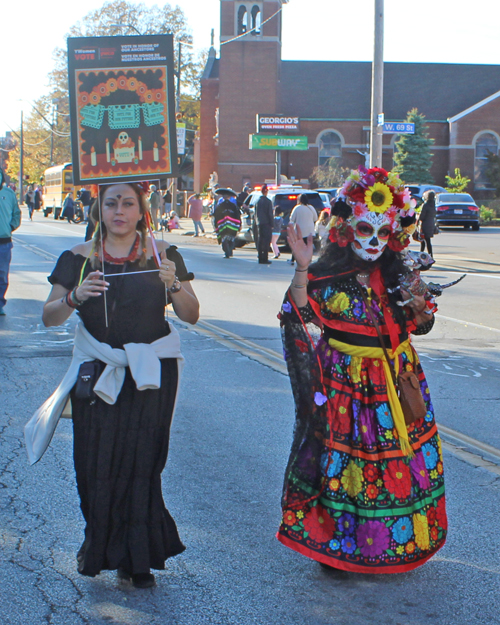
(120, 261)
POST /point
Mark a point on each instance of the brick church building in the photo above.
(461, 104)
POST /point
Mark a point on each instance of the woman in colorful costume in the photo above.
(363, 491)
(121, 430)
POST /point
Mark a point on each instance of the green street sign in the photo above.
(272, 142)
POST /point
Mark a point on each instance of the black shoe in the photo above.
(139, 580)
(265, 262)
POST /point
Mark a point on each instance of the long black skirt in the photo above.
(120, 452)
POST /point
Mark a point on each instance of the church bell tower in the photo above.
(249, 74)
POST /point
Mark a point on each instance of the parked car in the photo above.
(332, 191)
(284, 197)
(417, 190)
(457, 209)
(325, 198)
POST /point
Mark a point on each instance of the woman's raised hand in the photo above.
(302, 253)
(167, 271)
(92, 286)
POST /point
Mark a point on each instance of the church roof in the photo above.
(342, 89)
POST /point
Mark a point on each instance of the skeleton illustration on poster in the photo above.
(122, 112)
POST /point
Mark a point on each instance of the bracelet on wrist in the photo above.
(67, 300)
(176, 286)
(300, 270)
(77, 302)
(298, 286)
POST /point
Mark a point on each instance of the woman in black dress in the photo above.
(427, 220)
(120, 448)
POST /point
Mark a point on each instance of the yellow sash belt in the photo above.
(392, 394)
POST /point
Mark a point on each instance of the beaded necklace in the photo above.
(120, 261)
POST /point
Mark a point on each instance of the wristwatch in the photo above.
(176, 286)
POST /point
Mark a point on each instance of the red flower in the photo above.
(442, 519)
(397, 243)
(397, 200)
(371, 491)
(289, 517)
(378, 173)
(397, 479)
(431, 516)
(341, 234)
(319, 524)
(434, 533)
(371, 473)
(357, 194)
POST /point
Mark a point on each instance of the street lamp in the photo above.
(178, 73)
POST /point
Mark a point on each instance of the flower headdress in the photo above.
(373, 190)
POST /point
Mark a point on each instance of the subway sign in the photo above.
(272, 142)
(274, 123)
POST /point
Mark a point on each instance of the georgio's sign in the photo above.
(274, 123)
(272, 142)
(121, 92)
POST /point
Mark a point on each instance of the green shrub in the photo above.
(486, 214)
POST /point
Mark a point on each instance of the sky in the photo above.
(428, 31)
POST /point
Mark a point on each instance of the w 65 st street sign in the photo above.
(272, 142)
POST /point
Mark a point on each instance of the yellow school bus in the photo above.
(58, 182)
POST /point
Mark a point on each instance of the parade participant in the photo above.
(122, 423)
(10, 219)
(304, 215)
(196, 213)
(68, 209)
(227, 220)
(364, 486)
(264, 218)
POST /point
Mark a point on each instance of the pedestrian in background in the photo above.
(196, 213)
(264, 218)
(167, 201)
(427, 220)
(277, 225)
(321, 228)
(37, 198)
(29, 200)
(122, 413)
(242, 195)
(227, 220)
(68, 208)
(304, 215)
(10, 219)
(364, 489)
(154, 205)
(86, 199)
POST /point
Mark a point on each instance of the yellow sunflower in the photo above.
(378, 197)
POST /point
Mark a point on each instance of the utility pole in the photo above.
(178, 101)
(21, 156)
(54, 109)
(376, 134)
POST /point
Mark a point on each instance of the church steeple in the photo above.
(245, 19)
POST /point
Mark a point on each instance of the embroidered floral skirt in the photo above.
(379, 511)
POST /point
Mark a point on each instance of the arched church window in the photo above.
(330, 146)
(486, 144)
(256, 19)
(242, 20)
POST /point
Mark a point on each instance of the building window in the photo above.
(486, 143)
(242, 20)
(330, 146)
(256, 19)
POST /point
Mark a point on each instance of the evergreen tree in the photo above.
(457, 183)
(413, 157)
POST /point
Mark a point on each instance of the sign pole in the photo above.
(278, 168)
(376, 134)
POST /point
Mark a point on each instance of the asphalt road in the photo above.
(230, 442)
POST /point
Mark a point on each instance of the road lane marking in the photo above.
(467, 323)
(34, 249)
(274, 360)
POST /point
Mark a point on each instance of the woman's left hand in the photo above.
(416, 303)
(167, 272)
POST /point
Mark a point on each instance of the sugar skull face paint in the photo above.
(371, 233)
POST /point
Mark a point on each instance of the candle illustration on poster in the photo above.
(93, 157)
(140, 148)
(156, 155)
(108, 157)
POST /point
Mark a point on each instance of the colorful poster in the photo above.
(122, 108)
